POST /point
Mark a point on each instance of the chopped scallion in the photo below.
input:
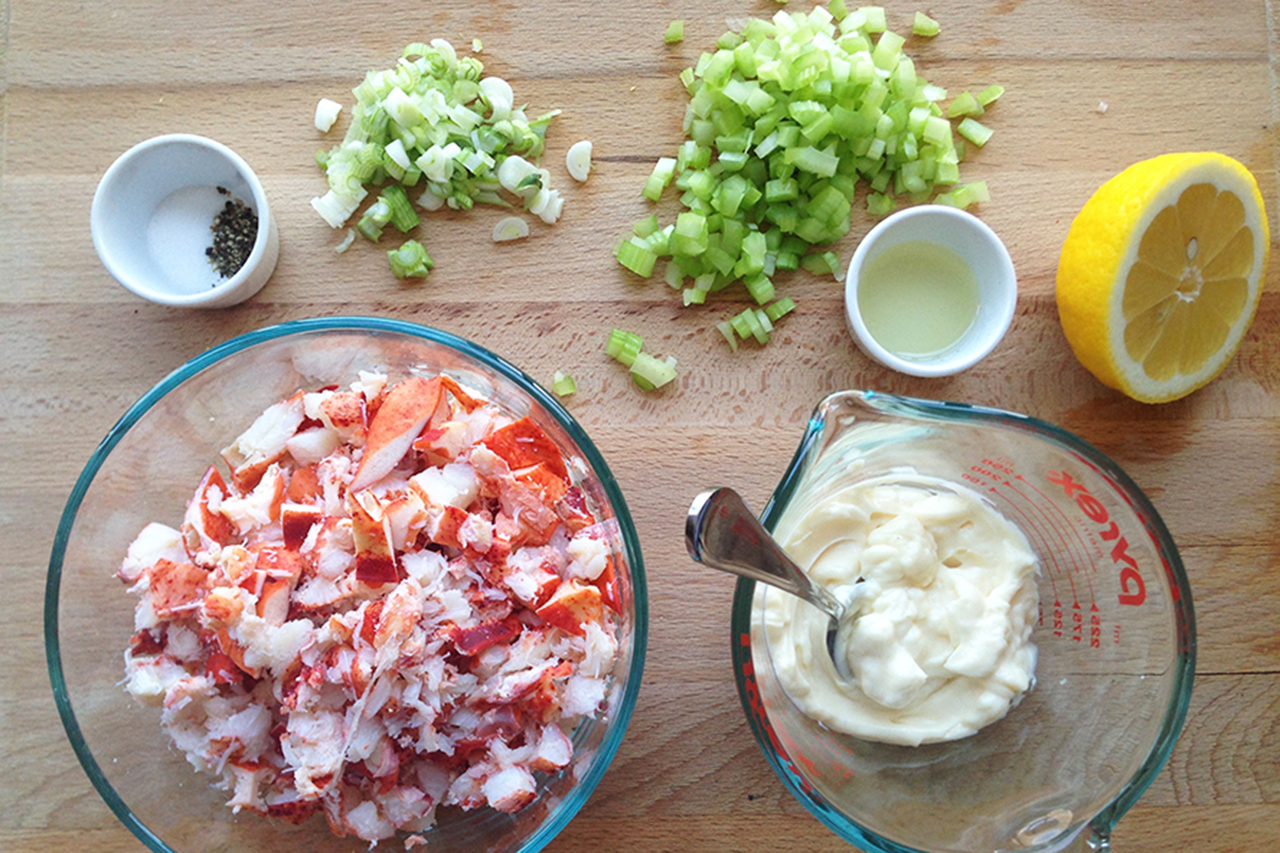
(410, 260)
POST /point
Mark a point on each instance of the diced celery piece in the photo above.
(988, 95)
(563, 385)
(887, 50)
(880, 205)
(875, 19)
(623, 346)
(663, 171)
(693, 296)
(760, 287)
(974, 131)
(650, 373)
(925, 26)
(964, 104)
(636, 256)
(691, 234)
(777, 310)
(646, 226)
(726, 328)
(674, 33)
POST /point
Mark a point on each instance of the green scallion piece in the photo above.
(410, 260)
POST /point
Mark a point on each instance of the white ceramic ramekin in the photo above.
(152, 215)
(986, 255)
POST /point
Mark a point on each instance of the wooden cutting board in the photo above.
(1092, 86)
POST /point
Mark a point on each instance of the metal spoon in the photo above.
(722, 533)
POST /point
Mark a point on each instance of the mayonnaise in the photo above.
(942, 599)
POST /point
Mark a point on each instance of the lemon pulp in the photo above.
(1189, 284)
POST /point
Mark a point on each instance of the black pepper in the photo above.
(235, 228)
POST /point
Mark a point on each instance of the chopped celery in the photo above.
(880, 205)
(875, 19)
(925, 26)
(650, 373)
(563, 384)
(674, 33)
(784, 118)
(780, 309)
(965, 195)
(637, 257)
(410, 260)
(623, 346)
(964, 104)
(988, 95)
(974, 131)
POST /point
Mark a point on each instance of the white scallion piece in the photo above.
(513, 170)
(578, 160)
(395, 150)
(326, 114)
(510, 228)
(337, 209)
(497, 93)
(430, 201)
(550, 212)
(346, 241)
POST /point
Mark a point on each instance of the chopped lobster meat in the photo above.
(399, 601)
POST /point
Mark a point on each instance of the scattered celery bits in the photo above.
(434, 123)
(674, 33)
(563, 385)
(647, 371)
(785, 118)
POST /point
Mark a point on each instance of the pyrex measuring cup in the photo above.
(1116, 638)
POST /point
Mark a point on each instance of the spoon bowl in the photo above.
(721, 532)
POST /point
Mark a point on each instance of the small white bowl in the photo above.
(987, 257)
(152, 215)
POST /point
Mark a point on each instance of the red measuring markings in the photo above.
(1133, 590)
(757, 711)
(1083, 572)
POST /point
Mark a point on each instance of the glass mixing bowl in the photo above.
(145, 470)
(1116, 640)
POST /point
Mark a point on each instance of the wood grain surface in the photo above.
(82, 81)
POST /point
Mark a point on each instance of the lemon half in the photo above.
(1161, 273)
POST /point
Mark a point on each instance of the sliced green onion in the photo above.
(326, 114)
(563, 385)
(433, 118)
(410, 260)
(578, 160)
(346, 241)
(623, 346)
(974, 131)
(510, 228)
(674, 33)
(925, 26)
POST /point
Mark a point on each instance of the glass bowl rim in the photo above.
(582, 790)
(935, 410)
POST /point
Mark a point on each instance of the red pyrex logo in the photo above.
(1133, 591)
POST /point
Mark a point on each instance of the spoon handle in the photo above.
(722, 533)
